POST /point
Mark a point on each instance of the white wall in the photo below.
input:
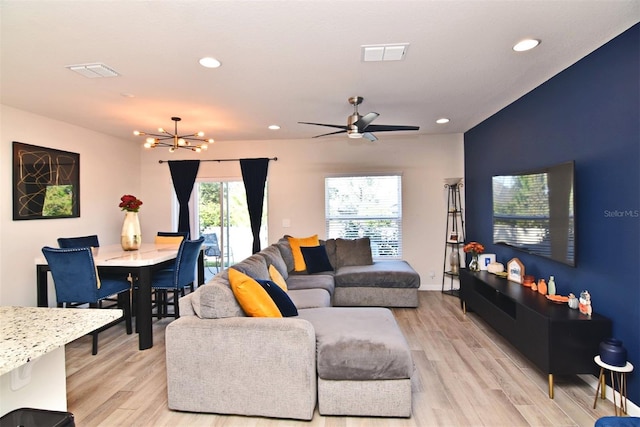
(296, 185)
(109, 168)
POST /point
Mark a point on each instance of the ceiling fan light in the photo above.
(354, 135)
(442, 120)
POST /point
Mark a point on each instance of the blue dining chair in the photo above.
(79, 242)
(184, 234)
(77, 282)
(176, 278)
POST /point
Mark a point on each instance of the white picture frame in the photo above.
(515, 270)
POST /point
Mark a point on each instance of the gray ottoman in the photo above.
(364, 363)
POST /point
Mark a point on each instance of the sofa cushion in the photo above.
(215, 300)
(275, 275)
(311, 281)
(251, 296)
(387, 274)
(273, 257)
(310, 298)
(285, 305)
(330, 246)
(359, 343)
(353, 252)
(296, 243)
(254, 266)
(316, 259)
(285, 250)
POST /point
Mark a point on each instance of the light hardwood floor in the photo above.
(466, 375)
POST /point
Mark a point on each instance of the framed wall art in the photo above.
(46, 183)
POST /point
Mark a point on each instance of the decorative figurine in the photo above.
(573, 301)
(585, 303)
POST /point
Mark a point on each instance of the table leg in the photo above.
(550, 386)
(42, 283)
(613, 387)
(599, 388)
(143, 318)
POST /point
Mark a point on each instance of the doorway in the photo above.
(223, 219)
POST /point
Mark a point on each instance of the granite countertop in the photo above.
(29, 332)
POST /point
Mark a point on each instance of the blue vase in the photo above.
(613, 353)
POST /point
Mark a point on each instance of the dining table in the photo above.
(141, 264)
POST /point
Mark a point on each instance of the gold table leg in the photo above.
(599, 388)
(550, 386)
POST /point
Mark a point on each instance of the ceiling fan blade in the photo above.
(366, 120)
(390, 128)
(368, 135)
(324, 124)
(330, 133)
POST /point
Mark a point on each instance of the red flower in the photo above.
(130, 203)
(474, 247)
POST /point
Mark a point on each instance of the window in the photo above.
(366, 206)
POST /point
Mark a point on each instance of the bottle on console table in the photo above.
(551, 286)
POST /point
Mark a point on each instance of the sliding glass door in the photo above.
(223, 219)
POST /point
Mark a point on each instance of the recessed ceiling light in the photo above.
(526, 44)
(209, 62)
(274, 127)
(442, 121)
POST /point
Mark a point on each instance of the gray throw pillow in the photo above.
(353, 252)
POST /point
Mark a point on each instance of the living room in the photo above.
(587, 113)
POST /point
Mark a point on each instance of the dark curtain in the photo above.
(183, 174)
(254, 175)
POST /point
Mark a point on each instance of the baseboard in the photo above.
(433, 287)
(632, 409)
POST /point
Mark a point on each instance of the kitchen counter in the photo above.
(30, 332)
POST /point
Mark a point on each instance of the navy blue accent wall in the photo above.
(588, 113)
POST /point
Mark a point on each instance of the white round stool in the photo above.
(618, 373)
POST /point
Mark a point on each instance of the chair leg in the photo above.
(94, 346)
(176, 309)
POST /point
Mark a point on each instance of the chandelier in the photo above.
(173, 140)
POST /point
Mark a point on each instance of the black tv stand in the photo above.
(557, 339)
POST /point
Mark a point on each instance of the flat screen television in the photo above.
(534, 211)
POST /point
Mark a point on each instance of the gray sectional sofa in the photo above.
(348, 360)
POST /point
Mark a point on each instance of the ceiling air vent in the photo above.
(93, 71)
(384, 52)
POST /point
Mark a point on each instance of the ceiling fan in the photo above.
(360, 126)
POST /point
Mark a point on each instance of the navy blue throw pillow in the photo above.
(280, 298)
(316, 259)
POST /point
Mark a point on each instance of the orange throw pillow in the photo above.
(296, 242)
(251, 296)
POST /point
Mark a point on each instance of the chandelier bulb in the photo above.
(172, 149)
(210, 141)
(161, 130)
(200, 134)
(137, 133)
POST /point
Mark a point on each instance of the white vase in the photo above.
(131, 238)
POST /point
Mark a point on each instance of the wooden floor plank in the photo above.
(465, 375)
